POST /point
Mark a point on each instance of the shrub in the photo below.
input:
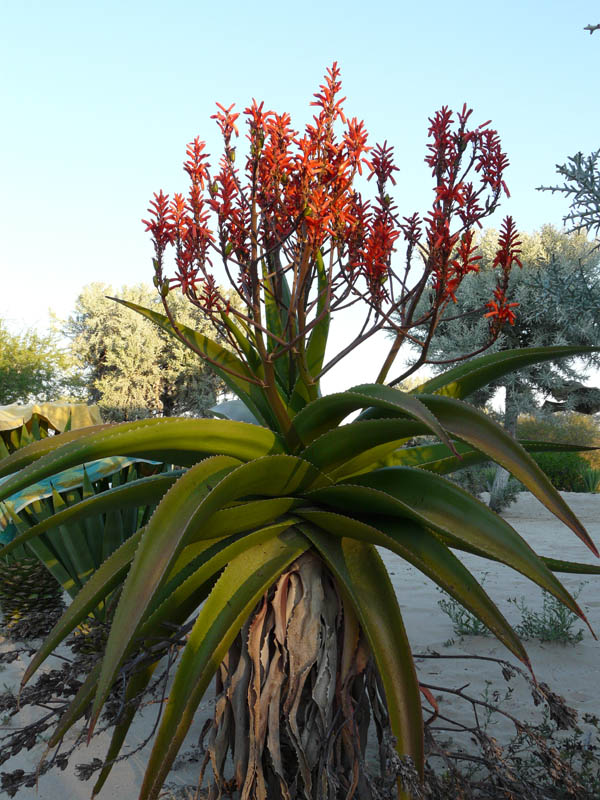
(565, 426)
(565, 470)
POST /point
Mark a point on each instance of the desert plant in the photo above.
(554, 623)
(22, 424)
(464, 623)
(269, 537)
(479, 479)
(591, 479)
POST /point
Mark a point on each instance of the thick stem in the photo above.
(299, 697)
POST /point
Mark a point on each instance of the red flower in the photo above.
(161, 226)
(506, 255)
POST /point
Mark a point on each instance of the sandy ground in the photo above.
(572, 670)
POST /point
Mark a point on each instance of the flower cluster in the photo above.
(288, 214)
(458, 155)
(501, 310)
(294, 197)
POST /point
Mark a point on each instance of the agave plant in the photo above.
(31, 596)
(268, 540)
(72, 552)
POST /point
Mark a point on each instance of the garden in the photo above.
(219, 580)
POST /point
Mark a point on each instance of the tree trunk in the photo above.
(511, 415)
(295, 699)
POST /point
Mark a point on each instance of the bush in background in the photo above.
(565, 470)
(563, 427)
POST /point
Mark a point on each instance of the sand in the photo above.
(570, 670)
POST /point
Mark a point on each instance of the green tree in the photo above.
(558, 294)
(582, 187)
(146, 374)
(32, 367)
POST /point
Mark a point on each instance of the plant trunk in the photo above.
(296, 697)
(499, 486)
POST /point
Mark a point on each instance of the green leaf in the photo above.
(317, 340)
(327, 412)
(480, 431)
(421, 548)
(182, 590)
(182, 512)
(574, 567)
(359, 444)
(276, 303)
(245, 341)
(434, 457)
(235, 594)
(58, 566)
(434, 502)
(179, 511)
(221, 361)
(363, 578)
(21, 458)
(106, 578)
(174, 440)
(465, 378)
(553, 564)
(437, 458)
(244, 517)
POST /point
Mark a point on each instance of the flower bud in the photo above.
(164, 289)
(156, 281)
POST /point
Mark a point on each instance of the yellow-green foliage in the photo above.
(565, 426)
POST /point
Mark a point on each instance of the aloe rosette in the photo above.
(247, 507)
(299, 485)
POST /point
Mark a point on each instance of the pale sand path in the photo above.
(573, 671)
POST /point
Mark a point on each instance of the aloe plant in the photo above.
(268, 540)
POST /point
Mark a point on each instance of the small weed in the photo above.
(492, 697)
(463, 622)
(554, 623)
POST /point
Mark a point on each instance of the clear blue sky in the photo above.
(100, 98)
